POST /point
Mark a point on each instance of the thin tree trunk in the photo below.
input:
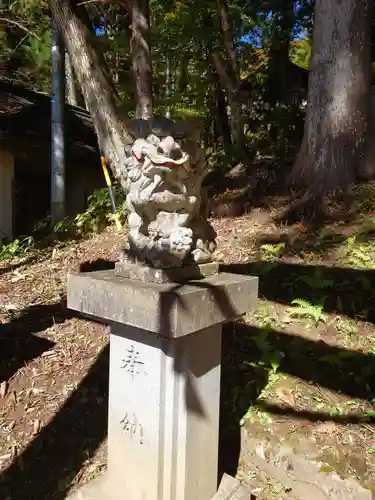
(141, 57)
(228, 38)
(222, 120)
(338, 111)
(95, 84)
(228, 72)
(278, 64)
(71, 92)
(236, 119)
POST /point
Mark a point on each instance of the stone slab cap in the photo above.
(171, 310)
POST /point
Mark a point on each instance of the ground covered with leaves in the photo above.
(300, 369)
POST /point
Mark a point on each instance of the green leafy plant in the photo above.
(272, 252)
(345, 327)
(270, 358)
(360, 254)
(97, 215)
(16, 247)
(65, 228)
(316, 281)
(94, 218)
(265, 315)
(305, 310)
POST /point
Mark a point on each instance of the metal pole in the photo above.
(58, 211)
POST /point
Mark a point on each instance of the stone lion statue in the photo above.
(164, 168)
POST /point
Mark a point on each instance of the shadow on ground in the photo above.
(18, 344)
(243, 379)
(47, 467)
(56, 455)
(342, 290)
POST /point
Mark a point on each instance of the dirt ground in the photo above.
(299, 369)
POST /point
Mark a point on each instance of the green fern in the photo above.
(360, 255)
(305, 310)
(272, 252)
(316, 281)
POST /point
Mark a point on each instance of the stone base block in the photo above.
(164, 380)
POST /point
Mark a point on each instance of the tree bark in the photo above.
(228, 39)
(228, 71)
(141, 57)
(95, 83)
(236, 119)
(71, 91)
(278, 63)
(334, 147)
(222, 121)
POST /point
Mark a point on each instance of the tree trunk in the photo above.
(222, 121)
(96, 86)
(71, 91)
(278, 63)
(236, 119)
(227, 69)
(141, 57)
(333, 148)
(228, 38)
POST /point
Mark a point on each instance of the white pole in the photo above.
(58, 211)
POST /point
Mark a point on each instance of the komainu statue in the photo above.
(164, 171)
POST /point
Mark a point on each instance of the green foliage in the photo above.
(364, 198)
(265, 315)
(316, 280)
(345, 327)
(184, 36)
(360, 254)
(300, 53)
(272, 252)
(97, 215)
(16, 248)
(25, 47)
(270, 358)
(303, 309)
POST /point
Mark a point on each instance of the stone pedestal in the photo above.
(164, 389)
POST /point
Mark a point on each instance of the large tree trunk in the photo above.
(71, 91)
(141, 57)
(333, 149)
(95, 83)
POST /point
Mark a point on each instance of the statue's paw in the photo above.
(201, 256)
(181, 242)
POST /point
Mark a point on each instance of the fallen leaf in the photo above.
(9, 427)
(285, 318)
(36, 426)
(285, 396)
(326, 428)
(3, 389)
(11, 307)
(14, 398)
